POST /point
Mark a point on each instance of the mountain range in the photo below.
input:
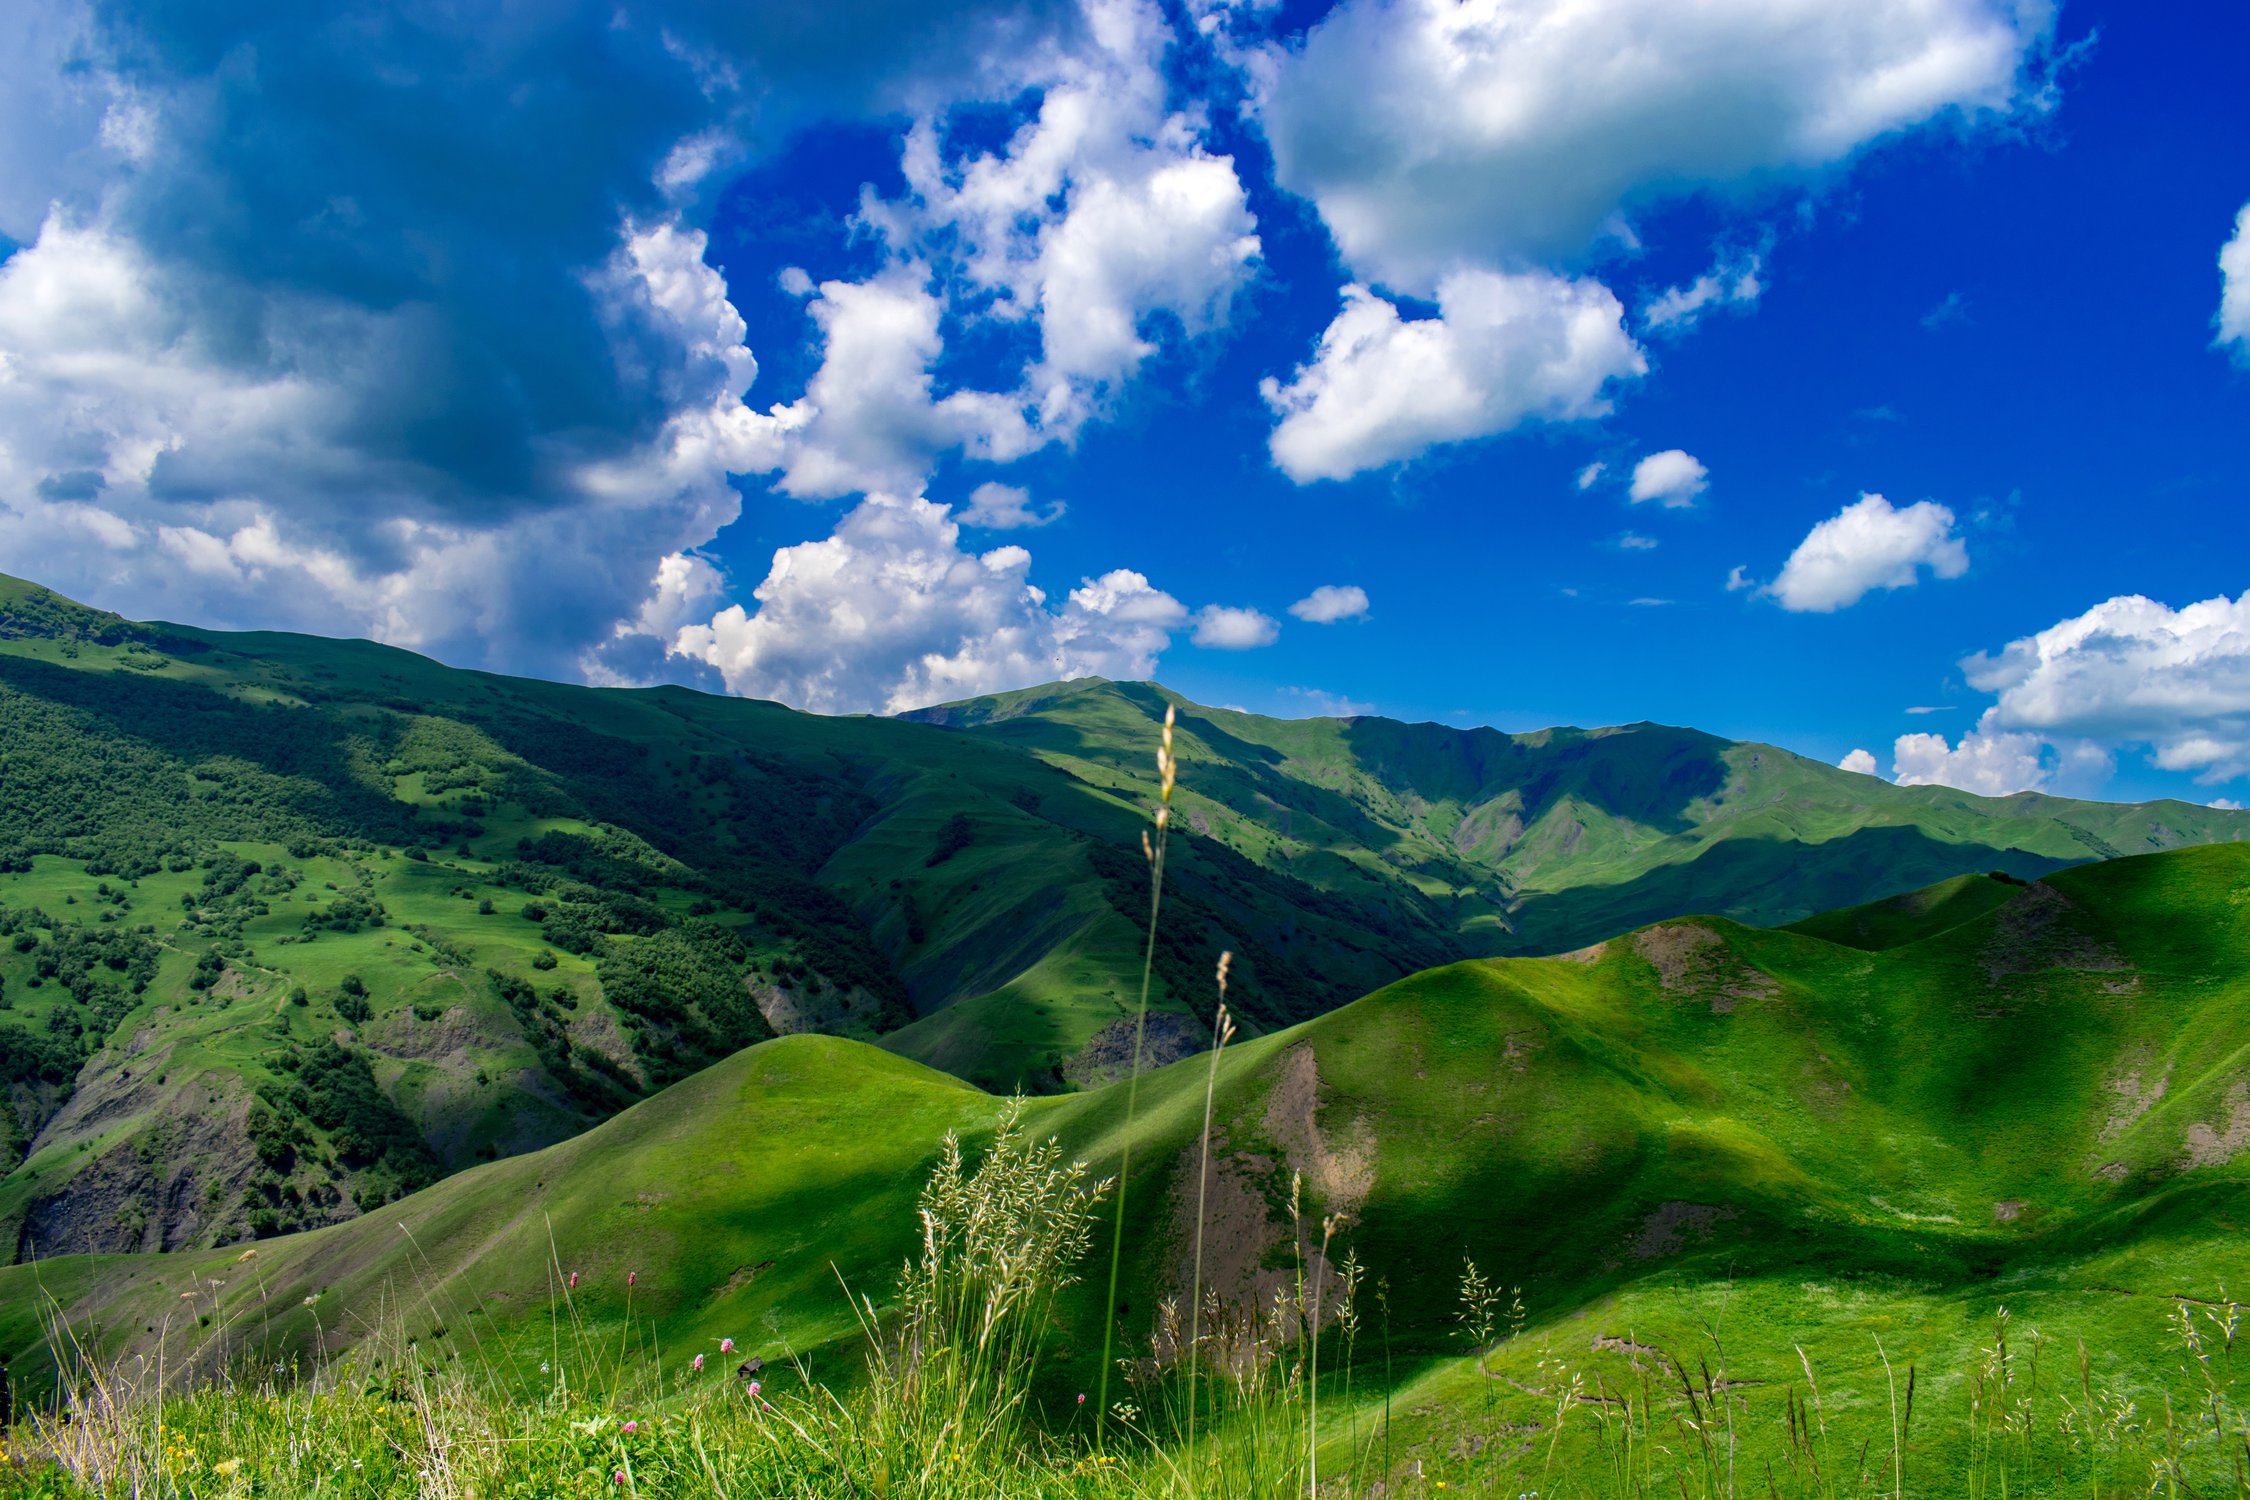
(293, 927)
(1878, 1128)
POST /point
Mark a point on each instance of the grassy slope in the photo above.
(724, 797)
(1538, 843)
(1330, 855)
(2042, 1105)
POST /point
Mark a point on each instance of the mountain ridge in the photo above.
(1689, 1107)
(370, 918)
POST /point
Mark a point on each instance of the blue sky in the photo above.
(862, 355)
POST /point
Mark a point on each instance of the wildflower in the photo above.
(1081, 1398)
(726, 1346)
(632, 1278)
(226, 1470)
(574, 1281)
(753, 1387)
(630, 1428)
(697, 1362)
(618, 1477)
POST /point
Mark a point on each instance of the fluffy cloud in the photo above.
(890, 614)
(1503, 349)
(1869, 545)
(1591, 475)
(1432, 133)
(144, 464)
(1672, 478)
(378, 326)
(1861, 761)
(1993, 761)
(871, 418)
(1007, 507)
(2234, 289)
(1448, 139)
(1332, 602)
(2134, 671)
(1102, 213)
(1729, 284)
(1225, 628)
(1989, 762)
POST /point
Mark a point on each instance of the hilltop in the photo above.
(290, 927)
(2039, 1102)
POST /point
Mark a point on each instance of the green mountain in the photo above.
(290, 927)
(1539, 843)
(2032, 1096)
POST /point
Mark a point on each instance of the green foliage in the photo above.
(354, 911)
(269, 813)
(957, 834)
(335, 1089)
(687, 993)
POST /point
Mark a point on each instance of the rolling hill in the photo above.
(290, 927)
(2032, 1095)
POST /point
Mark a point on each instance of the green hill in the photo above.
(2041, 1106)
(290, 926)
(1539, 843)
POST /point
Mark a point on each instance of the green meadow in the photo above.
(1728, 1188)
(423, 1082)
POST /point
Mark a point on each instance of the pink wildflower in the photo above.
(726, 1346)
(574, 1280)
(618, 1477)
(630, 1428)
(753, 1387)
(631, 1277)
(698, 1362)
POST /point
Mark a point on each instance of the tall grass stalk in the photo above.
(1222, 1032)
(1167, 770)
(1328, 1227)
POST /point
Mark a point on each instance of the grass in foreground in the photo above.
(1295, 1397)
(1890, 1381)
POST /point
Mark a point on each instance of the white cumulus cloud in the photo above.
(1994, 761)
(1331, 602)
(1989, 762)
(1103, 213)
(1672, 478)
(1869, 545)
(2234, 289)
(142, 466)
(1503, 349)
(2133, 671)
(1430, 133)
(1225, 628)
(871, 417)
(1862, 761)
(890, 613)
